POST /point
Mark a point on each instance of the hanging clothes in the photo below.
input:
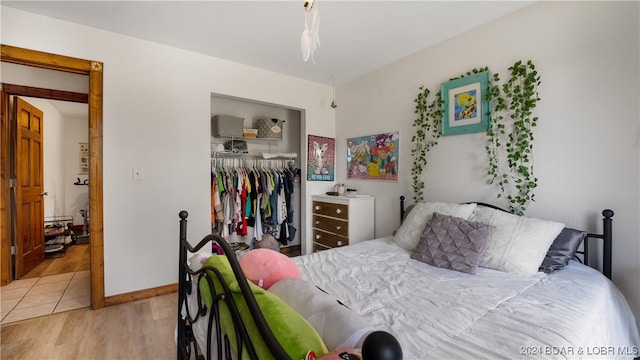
(256, 194)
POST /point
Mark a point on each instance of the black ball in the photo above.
(380, 345)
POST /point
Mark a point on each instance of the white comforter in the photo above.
(434, 313)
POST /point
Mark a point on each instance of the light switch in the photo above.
(138, 174)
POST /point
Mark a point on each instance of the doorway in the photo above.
(94, 72)
(65, 191)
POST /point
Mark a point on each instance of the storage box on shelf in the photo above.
(269, 128)
(226, 126)
(341, 220)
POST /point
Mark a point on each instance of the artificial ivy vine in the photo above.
(516, 98)
(428, 132)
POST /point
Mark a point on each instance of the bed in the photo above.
(501, 308)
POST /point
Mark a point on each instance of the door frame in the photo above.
(94, 71)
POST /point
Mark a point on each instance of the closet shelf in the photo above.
(249, 155)
(222, 139)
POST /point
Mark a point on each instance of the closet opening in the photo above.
(256, 192)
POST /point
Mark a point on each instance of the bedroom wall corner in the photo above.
(587, 153)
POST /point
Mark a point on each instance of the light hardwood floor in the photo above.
(143, 329)
(76, 258)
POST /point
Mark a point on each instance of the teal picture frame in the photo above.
(465, 106)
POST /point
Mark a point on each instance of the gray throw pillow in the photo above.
(407, 211)
(453, 243)
(562, 249)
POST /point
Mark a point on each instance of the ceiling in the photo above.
(356, 37)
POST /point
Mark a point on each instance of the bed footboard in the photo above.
(187, 344)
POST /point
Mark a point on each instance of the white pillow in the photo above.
(409, 233)
(518, 244)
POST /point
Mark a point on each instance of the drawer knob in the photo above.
(339, 243)
(317, 237)
(338, 227)
(338, 211)
(317, 222)
(317, 207)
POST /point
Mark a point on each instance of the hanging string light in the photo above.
(310, 38)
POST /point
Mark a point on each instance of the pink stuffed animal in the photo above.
(264, 267)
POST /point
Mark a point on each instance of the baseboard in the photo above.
(167, 289)
(139, 295)
(293, 250)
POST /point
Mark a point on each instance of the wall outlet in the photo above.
(138, 174)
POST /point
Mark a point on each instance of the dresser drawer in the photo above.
(318, 247)
(328, 240)
(340, 211)
(339, 227)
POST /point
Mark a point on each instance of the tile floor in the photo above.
(29, 298)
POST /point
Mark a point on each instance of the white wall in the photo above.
(157, 117)
(586, 145)
(44, 78)
(76, 131)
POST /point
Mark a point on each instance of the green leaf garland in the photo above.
(516, 99)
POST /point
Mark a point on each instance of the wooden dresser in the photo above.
(342, 220)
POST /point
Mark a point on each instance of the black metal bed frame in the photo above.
(186, 341)
(606, 237)
(187, 346)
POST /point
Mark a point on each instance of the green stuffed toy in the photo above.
(293, 332)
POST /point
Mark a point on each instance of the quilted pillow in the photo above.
(518, 244)
(293, 332)
(562, 249)
(408, 235)
(453, 243)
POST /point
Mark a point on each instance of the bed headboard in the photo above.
(581, 255)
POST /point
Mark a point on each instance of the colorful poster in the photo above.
(321, 160)
(373, 157)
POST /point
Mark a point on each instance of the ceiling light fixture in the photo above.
(310, 39)
(333, 102)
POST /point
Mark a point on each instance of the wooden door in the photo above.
(29, 188)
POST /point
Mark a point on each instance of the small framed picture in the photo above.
(321, 161)
(466, 108)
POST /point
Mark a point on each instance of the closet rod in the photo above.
(235, 162)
